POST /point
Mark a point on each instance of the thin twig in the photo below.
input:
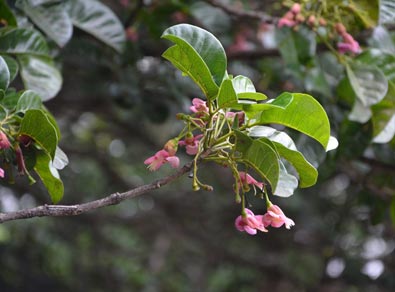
(242, 13)
(73, 210)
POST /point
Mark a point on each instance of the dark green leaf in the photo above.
(53, 20)
(226, 94)
(367, 11)
(256, 96)
(36, 125)
(49, 176)
(204, 44)
(3, 113)
(6, 14)
(303, 114)
(383, 118)
(28, 100)
(10, 99)
(368, 83)
(40, 75)
(260, 155)
(13, 66)
(22, 41)
(4, 74)
(97, 19)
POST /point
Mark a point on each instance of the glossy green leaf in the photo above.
(6, 14)
(308, 174)
(368, 83)
(226, 94)
(243, 84)
(387, 12)
(191, 64)
(28, 100)
(3, 112)
(4, 74)
(13, 66)
(40, 75)
(286, 184)
(53, 20)
(272, 134)
(10, 99)
(49, 176)
(202, 43)
(282, 101)
(98, 20)
(22, 41)
(303, 114)
(36, 125)
(259, 154)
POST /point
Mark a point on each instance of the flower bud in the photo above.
(296, 8)
(171, 146)
(4, 142)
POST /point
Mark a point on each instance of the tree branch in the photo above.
(73, 210)
(242, 13)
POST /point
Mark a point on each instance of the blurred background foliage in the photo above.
(114, 110)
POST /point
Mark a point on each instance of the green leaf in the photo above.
(4, 74)
(286, 148)
(286, 184)
(255, 96)
(387, 12)
(382, 40)
(49, 176)
(13, 66)
(226, 94)
(360, 113)
(28, 100)
(22, 41)
(368, 83)
(52, 19)
(303, 114)
(36, 125)
(98, 20)
(41, 75)
(6, 14)
(10, 99)
(203, 44)
(3, 113)
(191, 64)
(259, 154)
(243, 84)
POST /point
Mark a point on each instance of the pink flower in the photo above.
(250, 223)
(276, 218)
(232, 115)
(191, 144)
(286, 22)
(296, 8)
(1, 172)
(348, 44)
(248, 179)
(4, 142)
(198, 105)
(161, 157)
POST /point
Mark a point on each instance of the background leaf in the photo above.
(98, 20)
(28, 100)
(206, 45)
(6, 13)
(387, 12)
(40, 75)
(4, 74)
(53, 20)
(12, 65)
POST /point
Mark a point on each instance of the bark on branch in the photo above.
(73, 210)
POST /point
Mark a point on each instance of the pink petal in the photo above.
(1, 172)
(250, 230)
(174, 161)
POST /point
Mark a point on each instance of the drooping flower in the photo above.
(286, 22)
(198, 105)
(191, 144)
(250, 223)
(275, 217)
(161, 157)
(4, 142)
(348, 45)
(248, 179)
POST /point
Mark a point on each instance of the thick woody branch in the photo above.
(73, 210)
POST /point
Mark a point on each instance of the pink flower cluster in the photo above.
(161, 157)
(249, 180)
(4, 144)
(274, 217)
(348, 44)
(191, 144)
(292, 17)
